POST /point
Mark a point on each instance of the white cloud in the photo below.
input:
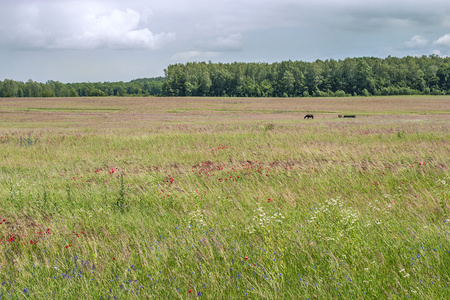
(118, 30)
(443, 40)
(190, 55)
(57, 27)
(417, 41)
(438, 53)
(232, 42)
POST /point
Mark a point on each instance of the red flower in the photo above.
(190, 291)
(31, 242)
(68, 246)
(246, 257)
(114, 258)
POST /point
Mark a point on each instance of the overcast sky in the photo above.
(117, 40)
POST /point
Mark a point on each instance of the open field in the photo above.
(142, 112)
(223, 198)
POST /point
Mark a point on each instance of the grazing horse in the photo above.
(346, 116)
(309, 117)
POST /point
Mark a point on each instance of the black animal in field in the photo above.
(346, 116)
(309, 117)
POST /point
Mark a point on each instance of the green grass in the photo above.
(245, 210)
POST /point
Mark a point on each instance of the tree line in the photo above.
(137, 87)
(363, 76)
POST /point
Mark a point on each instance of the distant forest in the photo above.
(137, 87)
(365, 76)
(350, 77)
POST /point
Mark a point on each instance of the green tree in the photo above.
(443, 73)
(9, 88)
(287, 83)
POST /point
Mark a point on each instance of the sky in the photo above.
(118, 40)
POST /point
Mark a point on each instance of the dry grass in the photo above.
(131, 112)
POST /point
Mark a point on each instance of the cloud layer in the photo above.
(147, 35)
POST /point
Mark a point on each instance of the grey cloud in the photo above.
(382, 14)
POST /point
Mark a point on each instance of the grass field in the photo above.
(225, 198)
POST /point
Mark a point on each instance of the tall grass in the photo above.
(357, 210)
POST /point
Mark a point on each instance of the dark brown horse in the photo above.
(309, 117)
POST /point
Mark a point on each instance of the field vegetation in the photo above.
(225, 198)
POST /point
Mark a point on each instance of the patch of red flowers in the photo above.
(11, 239)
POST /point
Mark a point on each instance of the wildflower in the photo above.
(246, 257)
(114, 258)
(190, 291)
(68, 246)
(31, 242)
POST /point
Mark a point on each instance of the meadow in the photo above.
(225, 198)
